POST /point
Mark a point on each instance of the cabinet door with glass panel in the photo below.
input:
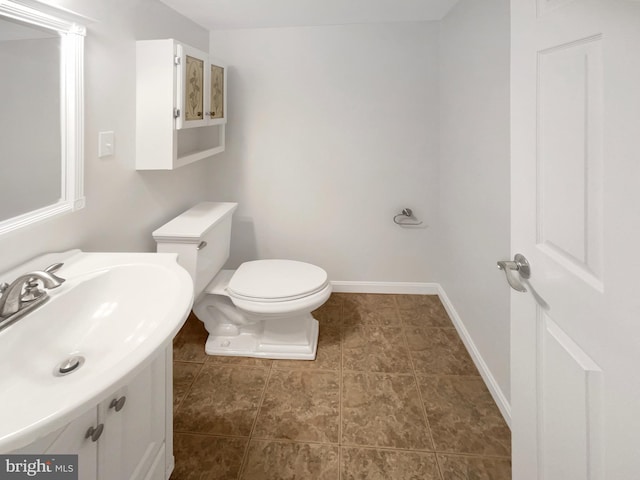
(201, 89)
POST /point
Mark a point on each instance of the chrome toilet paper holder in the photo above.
(408, 213)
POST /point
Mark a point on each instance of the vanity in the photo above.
(89, 372)
(127, 434)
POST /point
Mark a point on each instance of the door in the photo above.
(575, 335)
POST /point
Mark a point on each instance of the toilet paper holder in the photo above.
(408, 213)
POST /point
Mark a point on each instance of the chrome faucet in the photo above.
(24, 293)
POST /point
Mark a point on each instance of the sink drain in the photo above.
(68, 365)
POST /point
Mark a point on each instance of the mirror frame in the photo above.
(72, 32)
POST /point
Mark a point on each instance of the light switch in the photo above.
(106, 144)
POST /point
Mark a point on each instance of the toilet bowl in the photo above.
(262, 309)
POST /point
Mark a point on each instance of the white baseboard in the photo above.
(489, 380)
(412, 288)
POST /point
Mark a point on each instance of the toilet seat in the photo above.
(309, 293)
(266, 281)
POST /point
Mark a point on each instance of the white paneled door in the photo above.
(575, 334)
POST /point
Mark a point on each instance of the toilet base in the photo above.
(292, 338)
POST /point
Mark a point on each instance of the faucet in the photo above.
(13, 301)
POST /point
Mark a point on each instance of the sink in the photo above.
(114, 311)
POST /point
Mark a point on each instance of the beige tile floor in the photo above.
(392, 394)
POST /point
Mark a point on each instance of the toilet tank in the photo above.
(201, 237)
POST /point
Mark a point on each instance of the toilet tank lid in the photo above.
(192, 225)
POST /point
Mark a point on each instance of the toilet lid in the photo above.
(276, 280)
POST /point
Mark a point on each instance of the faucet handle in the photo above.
(54, 268)
(3, 287)
(32, 290)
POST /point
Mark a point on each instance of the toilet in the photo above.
(262, 309)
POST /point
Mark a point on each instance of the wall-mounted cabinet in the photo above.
(181, 105)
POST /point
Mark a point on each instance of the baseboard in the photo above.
(489, 380)
(412, 288)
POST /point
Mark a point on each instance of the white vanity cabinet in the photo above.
(180, 105)
(134, 427)
(128, 435)
(71, 439)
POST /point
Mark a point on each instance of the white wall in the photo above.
(332, 130)
(123, 205)
(473, 217)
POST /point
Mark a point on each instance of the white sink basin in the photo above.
(115, 310)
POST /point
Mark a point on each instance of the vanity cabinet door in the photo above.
(134, 419)
(71, 439)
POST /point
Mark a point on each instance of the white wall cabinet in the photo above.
(126, 436)
(181, 105)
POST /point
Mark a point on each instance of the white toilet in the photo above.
(262, 309)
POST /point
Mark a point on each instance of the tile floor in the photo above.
(393, 394)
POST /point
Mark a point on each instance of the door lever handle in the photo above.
(520, 265)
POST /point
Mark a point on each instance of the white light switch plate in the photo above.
(106, 144)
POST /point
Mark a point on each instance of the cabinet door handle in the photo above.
(118, 403)
(94, 432)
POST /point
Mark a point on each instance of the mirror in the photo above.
(41, 121)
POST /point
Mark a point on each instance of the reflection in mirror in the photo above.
(30, 133)
(41, 119)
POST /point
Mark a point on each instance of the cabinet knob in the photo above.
(94, 433)
(118, 403)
